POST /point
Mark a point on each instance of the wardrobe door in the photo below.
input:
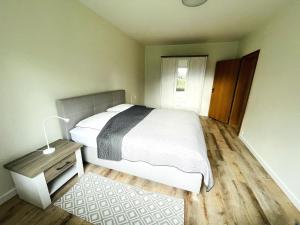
(247, 69)
(168, 70)
(182, 81)
(225, 79)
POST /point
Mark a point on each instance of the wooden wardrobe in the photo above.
(231, 89)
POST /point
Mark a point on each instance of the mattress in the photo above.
(164, 138)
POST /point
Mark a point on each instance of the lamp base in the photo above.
(48, 151)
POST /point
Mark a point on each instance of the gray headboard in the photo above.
(80, 107)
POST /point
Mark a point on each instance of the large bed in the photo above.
(166, 146)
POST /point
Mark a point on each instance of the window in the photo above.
(181, 75)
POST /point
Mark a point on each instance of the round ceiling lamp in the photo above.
(193, 3)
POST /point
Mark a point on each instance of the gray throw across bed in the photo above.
(109, 140)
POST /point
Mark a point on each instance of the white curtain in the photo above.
(182, 81)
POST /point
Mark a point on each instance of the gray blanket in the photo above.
(109, 140)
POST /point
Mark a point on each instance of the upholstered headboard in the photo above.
(78, 108)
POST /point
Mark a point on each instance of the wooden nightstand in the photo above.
(38, 176)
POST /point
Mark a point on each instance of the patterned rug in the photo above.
(102, 201)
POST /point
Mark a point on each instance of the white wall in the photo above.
(153, 53)
(272, 120)
(52, 49)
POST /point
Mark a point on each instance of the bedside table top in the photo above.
(36, 162)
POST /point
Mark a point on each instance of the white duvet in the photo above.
(164, 137)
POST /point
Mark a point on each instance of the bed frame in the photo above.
(78, 108)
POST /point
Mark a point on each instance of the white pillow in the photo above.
(119, 108)
(96, 121)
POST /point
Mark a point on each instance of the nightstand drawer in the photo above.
(60, 167)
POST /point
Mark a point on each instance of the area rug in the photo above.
(102, 201)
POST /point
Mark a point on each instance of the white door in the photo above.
(182, 82)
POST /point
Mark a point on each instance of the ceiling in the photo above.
(169, 22)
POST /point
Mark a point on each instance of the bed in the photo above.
(167, 146)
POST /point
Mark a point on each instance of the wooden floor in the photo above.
(243, 193)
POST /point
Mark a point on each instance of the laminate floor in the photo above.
(243, 193)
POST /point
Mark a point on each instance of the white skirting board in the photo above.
(278, 181)
(8, 195)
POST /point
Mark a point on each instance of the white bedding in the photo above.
(165, 137)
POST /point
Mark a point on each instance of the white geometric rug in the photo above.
(102, 201)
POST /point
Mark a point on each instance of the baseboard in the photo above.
(275, 177)
(8, 195)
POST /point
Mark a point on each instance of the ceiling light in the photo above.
(193, 3)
